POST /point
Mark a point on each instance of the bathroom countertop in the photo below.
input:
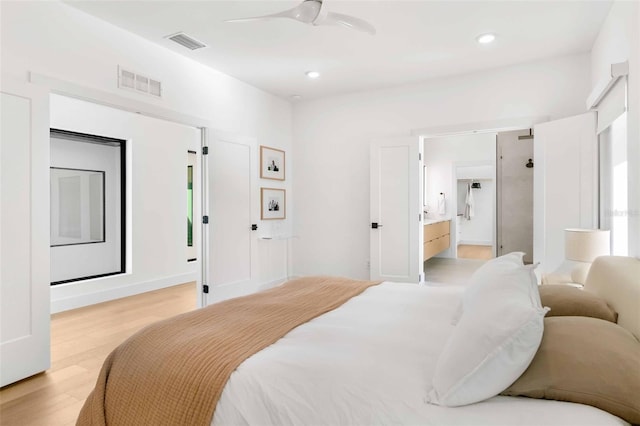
(432, 221)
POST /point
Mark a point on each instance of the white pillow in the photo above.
(485, 276)
(496, 338)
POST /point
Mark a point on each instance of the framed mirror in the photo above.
(77, 206)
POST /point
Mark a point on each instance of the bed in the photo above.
(370, 360)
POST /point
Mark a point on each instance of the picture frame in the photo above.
(273, 204)
(272, 165)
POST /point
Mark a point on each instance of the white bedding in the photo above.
(370, 362)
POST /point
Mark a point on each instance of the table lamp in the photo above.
(584, 245)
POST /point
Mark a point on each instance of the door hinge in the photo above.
(419, 217)
(205, 150)
(205, 219)
(205, 288)
(419, 156)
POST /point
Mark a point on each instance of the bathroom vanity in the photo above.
(436, 237)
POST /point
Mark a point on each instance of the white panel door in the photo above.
(232, 209)
(24, 232)
(396, 210)
(565, 184)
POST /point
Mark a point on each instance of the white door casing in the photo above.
(230, 174)
(24, 231)
(565, 184)
(396, 207)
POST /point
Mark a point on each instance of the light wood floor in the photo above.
(80, 341)
(475, 252)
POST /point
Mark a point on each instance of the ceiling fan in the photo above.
(312, 12)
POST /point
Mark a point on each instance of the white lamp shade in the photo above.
(584, 245)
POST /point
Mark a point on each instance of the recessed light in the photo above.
(485, 38)
(295, 97)
(313, 74)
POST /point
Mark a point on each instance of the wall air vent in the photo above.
(139, 83)
(186, 41)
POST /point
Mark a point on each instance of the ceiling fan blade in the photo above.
(291, 13)
(348, 21)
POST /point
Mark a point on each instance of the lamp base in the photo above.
(579, 273)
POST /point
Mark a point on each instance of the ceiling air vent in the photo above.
(139, 83)
(186, 41)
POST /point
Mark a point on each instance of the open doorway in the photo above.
(461, 190)
(484, 180)
(141, 217)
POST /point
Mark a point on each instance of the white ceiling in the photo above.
(415, 40)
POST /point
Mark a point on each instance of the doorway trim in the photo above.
(101, 97)
(493, 126)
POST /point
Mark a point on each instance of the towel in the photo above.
(442, 205)
(468, 204)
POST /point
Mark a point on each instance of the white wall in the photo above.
(332, 137)
(477, 172)
(618, 41)
(56, 40)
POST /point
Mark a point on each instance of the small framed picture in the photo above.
(272, 203)
(271, 163)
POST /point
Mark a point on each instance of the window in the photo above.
(189, 206)
(192, 250)
(614, 184)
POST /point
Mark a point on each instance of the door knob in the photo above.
(375, 225)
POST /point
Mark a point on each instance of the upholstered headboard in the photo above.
(617, 280)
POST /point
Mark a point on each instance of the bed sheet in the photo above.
(370, 362)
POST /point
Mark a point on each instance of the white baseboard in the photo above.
(66, 303)
(61, 304)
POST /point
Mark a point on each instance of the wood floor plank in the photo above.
(468, 251)
(80, 341)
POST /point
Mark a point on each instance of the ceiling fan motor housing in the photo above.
(309, 11)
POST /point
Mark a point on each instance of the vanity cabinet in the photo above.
(436, 238)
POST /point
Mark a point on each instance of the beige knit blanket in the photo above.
(173, 372)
